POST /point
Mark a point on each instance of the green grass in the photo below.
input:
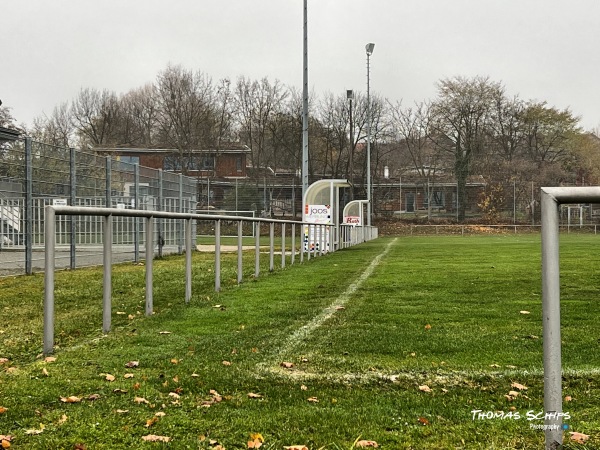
(364, 364)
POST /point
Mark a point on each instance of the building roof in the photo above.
(8, 134)
(234, 148)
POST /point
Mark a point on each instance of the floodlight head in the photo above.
(349, 94)
(370, 48)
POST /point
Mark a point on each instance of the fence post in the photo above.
(136, 200)
(73, 194)
(161, 240)
(107, 280)
(179, 223)
(108, 191)
(49, 234)
(28, 207)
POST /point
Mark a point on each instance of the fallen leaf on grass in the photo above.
(155, 438)
(49, 359)
(365, 443)
(93, 397)
(140, 400)
(164, 332)
(79, 447)
(513, 393)
(423, 421)
(313, 399)
(424, 388)
(36, 431)
(580, 438)
(253, 395)
(71, 399)
(303, 388)
(151, 422)
(174, 361)
(287, 365)
(122, 411)
(226, 363)
(568, 398)
(519, 386)
(132, 364)
(256, 440)
(121, 313)
(62, 419)
(524, 312)
(45, 372)
(174, 395)
(296, 447)
(3, 409)
(109, 377)
(120, 391)
(128, 375)
(428, 327)
(3, 360)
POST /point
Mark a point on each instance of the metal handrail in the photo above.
(52, 211)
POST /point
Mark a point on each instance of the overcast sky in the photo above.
(539, 49)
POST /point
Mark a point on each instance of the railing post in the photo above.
(217, 255)
(293, 257)
(188, 259)
(282, 245)
(49, 244)
(257, 250)
(239, 255)
(149, 265)
(107, 279)
(271, 246)
(310, 228)
(302, 230)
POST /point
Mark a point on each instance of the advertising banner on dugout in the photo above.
(319, 215)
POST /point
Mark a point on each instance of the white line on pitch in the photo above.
(303, 332)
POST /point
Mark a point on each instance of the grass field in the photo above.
(396, 341)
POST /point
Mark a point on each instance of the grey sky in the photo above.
(540, 49)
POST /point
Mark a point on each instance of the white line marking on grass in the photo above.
(303, 332)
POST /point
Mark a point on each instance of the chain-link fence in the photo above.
(33, 175)
(512, 203)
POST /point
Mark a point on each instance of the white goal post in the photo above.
(551, 199)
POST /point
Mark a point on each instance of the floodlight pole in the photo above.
(369, 47)
(305, 107)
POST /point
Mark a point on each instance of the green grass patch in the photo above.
(438, 311)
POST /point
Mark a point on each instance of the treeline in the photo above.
(472, 128)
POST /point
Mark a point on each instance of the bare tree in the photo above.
(462, 114)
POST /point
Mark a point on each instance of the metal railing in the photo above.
(317, 240)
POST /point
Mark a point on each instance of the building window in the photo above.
(127, 163)
(238, 163)
(176, 163)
